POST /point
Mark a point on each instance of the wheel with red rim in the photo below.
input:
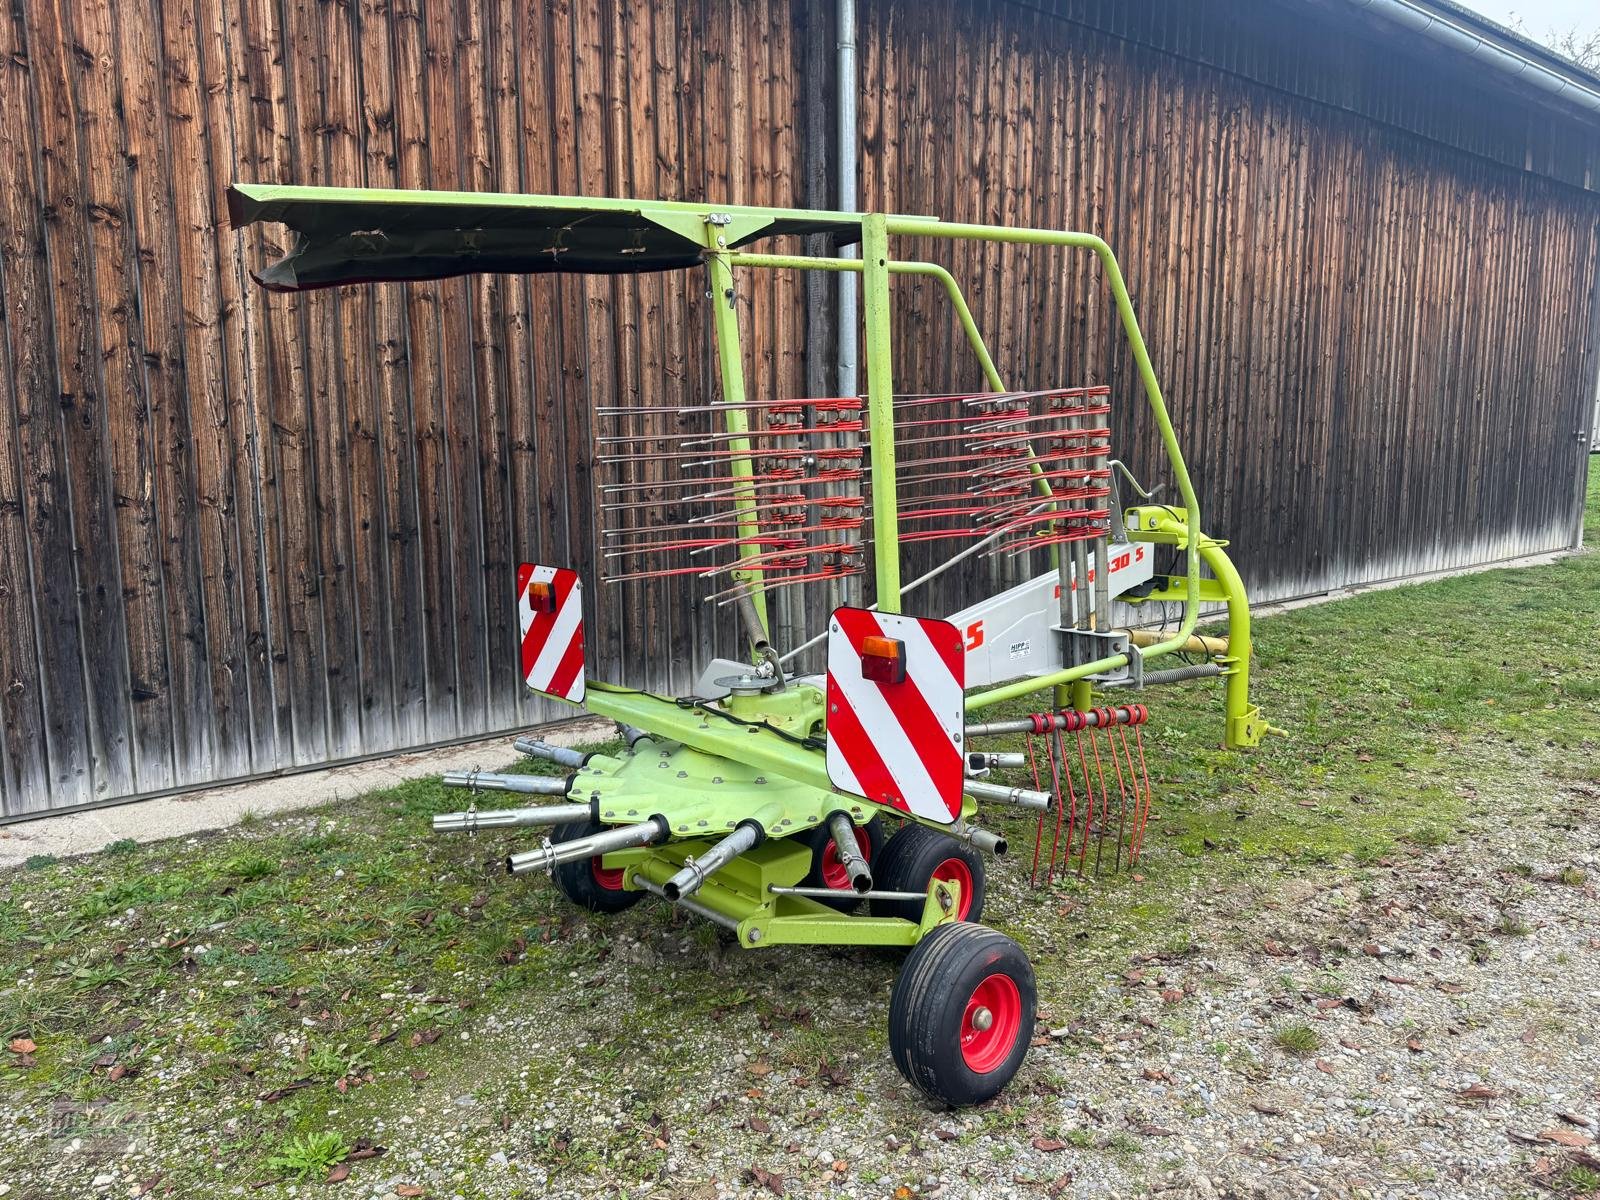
(826, 869)
(962, 1013)
(913, 858)
(586, 882)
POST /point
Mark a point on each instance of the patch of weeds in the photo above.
(1080, 1137)
(38, 862)
(336, 1062)
(121, 846)
(1430, 836)
(1583, 1181)
(308, 1156)
(1511, 925)
(249, 818)
(250, 867)
(1480, 951)
(1298, 1039)
(1123, 1143)
(1573, 877)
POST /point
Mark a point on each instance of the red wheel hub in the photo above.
(833, 873)
(991, 1024)
(610, 879)
(954, 870)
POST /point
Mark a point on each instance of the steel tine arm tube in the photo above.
(843, 830)
(548, 857)
(509, 818)
(1025, 797)
(487, 781)
(686, 903)
(634, 735)
(1123, 714)
(696, 871)
(978, 760)
(560, 755)
(981, 839)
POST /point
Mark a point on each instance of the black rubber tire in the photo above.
(820, 839)
(928, 1013)
(583, 882)
(908, 863)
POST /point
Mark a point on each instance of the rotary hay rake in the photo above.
(761, 800)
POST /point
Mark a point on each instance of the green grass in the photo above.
(324, 958)
(1297, 1038)
(308, 1156)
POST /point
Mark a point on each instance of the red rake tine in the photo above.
(1122, 789)
(1105, 816)
(1088, 796)
(1038, 829)
(1055, 786)
(1138, 739)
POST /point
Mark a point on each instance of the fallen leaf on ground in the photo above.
(1048, 1145)
(1565, 1137)
(1172, 995)
(22, 1045)
(408, 1190)
(338, 1174)
(1478, 1091)
(761, 1177)
(758, 1125)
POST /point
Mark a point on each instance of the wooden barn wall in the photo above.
(241, 533)
(1377, 350)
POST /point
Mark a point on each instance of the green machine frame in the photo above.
(760, 759)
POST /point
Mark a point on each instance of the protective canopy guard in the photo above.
(365, 235)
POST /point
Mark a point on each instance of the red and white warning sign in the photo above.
(896, 711)
(550, 612)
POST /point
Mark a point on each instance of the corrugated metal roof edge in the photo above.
(1476, 37)
(1522, 41)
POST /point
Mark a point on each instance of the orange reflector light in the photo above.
(542, 597)
(883, 660)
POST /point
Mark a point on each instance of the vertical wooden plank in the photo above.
(312, 94)
(136, 400)
(81, 580)
(225, 86)
(508, 41)
(414, 82)
(496, 653)
(286, 465)
(24, 770)
(394, 563)
(157, 276)
(232, 562)
(465, 607)
(363, 693)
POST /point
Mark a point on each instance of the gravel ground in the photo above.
(1427, 1031)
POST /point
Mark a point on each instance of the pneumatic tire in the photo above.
(913, 858)
(585, 882)
(962, 1013)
